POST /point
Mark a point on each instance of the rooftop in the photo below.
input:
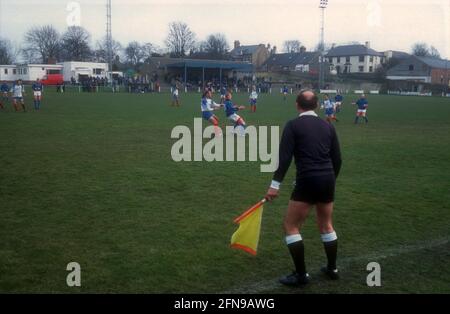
(242, 50)
(211, 64)
(352, 50)
(435, 63)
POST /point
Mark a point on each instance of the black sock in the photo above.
(356, 120)
(297, 250)
(331, 251)
(367, 120)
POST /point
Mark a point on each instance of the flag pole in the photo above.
(250, 210)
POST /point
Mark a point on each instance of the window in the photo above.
(53, 71)
(361, 68)
(411, 67)
(6, 71)
(371, 59)
(338, 59)
(361, 58)
(24, 71)
(371, 69)
(347, 59)
(14, 71)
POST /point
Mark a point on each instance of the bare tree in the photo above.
(8, 54)
(420, 50)
(133, 53)
(198, 51)
(434, 53)
(101, 51)
(200, 47)
(292, 46)
(147, 50)
(215, 46)
(180, 39)
(75, 44)
(42, 43)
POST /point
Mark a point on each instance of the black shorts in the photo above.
(312, 190)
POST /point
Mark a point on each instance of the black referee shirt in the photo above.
(313, 143)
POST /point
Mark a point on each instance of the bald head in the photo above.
(308, 94)
(307, 100)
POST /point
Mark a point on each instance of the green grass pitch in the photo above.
(90, 179)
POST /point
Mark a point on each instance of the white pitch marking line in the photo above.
(273, 283)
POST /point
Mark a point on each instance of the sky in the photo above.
(386, 24)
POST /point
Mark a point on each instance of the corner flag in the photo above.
(246, 236)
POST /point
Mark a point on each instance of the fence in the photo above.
(168, 89)
(408, 93)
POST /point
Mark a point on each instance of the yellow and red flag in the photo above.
(246, 236)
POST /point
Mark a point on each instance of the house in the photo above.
(307, 62)
(255, 54)
(421, 69)
(355, 59)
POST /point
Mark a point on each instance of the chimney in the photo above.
(302, 49)
(333, 45)
(274, 50)
(237, 44)
(367, 44)
(268, 46)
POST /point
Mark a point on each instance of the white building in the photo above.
(80, 70)
(31, 72)
(27, 72)
(355, 59)
(8, 72)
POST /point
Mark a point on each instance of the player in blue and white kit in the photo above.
(4, 89)
(362, 104)
(329, 109)
(285, 91)
(175, 97)
(207, 107)
(230, 112)
(253, 99)
(17, 93)
(37, 94)
(338, 101)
